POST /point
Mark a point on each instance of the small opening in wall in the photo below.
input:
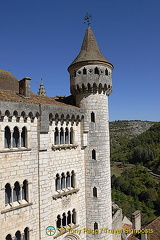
(96, 70)
(84, 71)
(94, 192)
(95, 226)
(93, 154)
(92, 117)
(106, 72)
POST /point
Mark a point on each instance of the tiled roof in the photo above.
(8, 81)
(155, 225)
(6, 95)
(89, 50)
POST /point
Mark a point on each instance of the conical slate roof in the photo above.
(89, 50)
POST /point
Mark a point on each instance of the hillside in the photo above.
(122, 130)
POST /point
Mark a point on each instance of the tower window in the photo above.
(61, 136)
(7, 136)
(73, 180)
(95, 225)
(69, 218)
(93, 154)
(84, 71)
(71, 136)
(63, 181)
(64, 220)
(106, 72)
(56, 136)
(68, 180)
(96, 70)
(94, 192)
(66, 136)
(74, 216)
(92, 117)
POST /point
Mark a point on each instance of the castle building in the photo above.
(55, 154)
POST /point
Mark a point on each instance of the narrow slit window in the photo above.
(73, 180)
(25, 190)
(24, 137)
(93, 154)
(16, 137)
(92, 117)
(94, 192)
(106, 72)
(96, 70)
(61, 136)
(74, 216)
(69, 218)
(7, 137)
(58, 221)
(68, 181)
(8, 195)
(84, 71)
(56, 136)
(63, 181)
(58, 182)
(66, 136)
(95, 226)
(64, 220)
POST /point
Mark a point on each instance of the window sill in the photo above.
(63, 146)
(65, 230)
(10, 208)
(64, 194)
(15, 149)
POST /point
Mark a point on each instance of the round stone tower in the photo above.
(91, 84)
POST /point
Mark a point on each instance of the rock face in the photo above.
(127, 129)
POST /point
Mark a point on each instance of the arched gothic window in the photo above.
(94, 192)
(66, 136)
(92, 117)
(24, 137)
(73, 179)
(93, 154)
(71, 136)
(61, 136)
(96, 70)
(68, 181)
(16, 192)
(58, 182)
(16, 137)
(18, 235)
(64, 220)
(8, 237)
(74, 216)
(95, 226)
(63, 181)
(56, 136)
(84, 71)
(8, 195)
(58, 221)
(69, 218)
(7, 137)
(26, 233)
(106, 72)
(25, 190)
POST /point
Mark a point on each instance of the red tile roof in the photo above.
(6, 95)
(155, 225)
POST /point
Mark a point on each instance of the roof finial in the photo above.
(42, 90)
(88, 18)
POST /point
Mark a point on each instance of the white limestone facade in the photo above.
(55, 155)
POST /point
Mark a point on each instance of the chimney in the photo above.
(136, 220)
(24, 87)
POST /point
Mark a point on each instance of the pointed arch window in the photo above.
(16, 137)
(26, 233)
(71, 136)
(7, 137)
(66, 136)
(58, 221)
(74, 216)
(8, 195)
(94, 192)
(56, 136)
(93, 154)
(18, 235)
(64, 220)
(92, 117)
(95, 226)
(106, 72)
(96, 70)
(68, 181)
(84, 71)
(24, 137)
(63, 181)
(69, 218)
(16, 192)
(73, 179)
(25, 190)
(58, 182)
(8, 237)
(61, 136)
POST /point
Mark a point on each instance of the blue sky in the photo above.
(40, 39)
